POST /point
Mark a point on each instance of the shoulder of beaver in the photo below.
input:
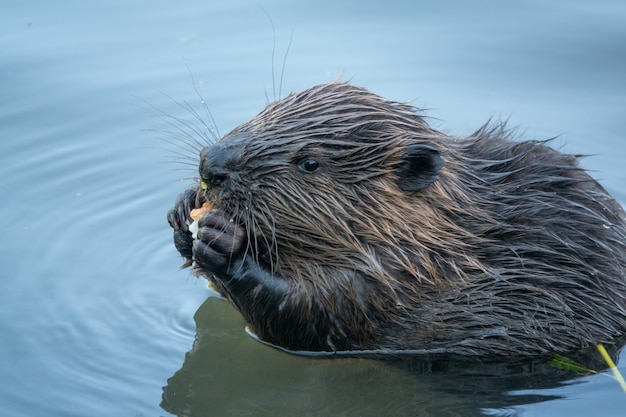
(552, 252)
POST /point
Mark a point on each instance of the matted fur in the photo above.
(513, 249)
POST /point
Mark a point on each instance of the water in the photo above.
(95, 316)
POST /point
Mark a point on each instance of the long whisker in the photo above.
(273, 53)
(271, 247)
(181, 129)
(251, 230)
(282, 70)
(186, 149)
(211, 127)
(255, 231)
(249, 238)
(192, 132)
(236, 218)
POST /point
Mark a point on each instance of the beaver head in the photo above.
(388, 234)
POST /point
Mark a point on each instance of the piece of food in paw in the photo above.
(196, 214)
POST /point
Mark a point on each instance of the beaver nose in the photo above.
(216, 164)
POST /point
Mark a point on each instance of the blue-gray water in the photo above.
(96, 319)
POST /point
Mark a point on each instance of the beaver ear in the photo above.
(419, 167)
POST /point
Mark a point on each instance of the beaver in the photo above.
(343, 222)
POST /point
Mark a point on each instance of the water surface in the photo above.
(95, 315)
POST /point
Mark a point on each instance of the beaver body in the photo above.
(345, 223)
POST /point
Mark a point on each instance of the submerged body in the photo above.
(343, 222)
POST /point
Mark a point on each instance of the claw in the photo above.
(179, 218)
(187, 264)
(172, 219)
(185, 202)
(199, 199)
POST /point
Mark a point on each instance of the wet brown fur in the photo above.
(513, 249)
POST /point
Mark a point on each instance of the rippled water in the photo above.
(95, 316)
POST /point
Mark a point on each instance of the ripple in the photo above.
(126, 338)
(96, 315)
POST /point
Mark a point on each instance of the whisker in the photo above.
(282, 70)
(236, 218)
(180, 155)
(270, 244)
(179, 135)
(252, 228)
(273, 53)
(177, 124)
(212, 126)
(197, 132)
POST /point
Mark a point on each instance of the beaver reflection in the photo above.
(227, 373)
(344, 222)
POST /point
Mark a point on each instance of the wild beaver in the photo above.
(343, 222)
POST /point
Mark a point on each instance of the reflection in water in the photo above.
(227, 373)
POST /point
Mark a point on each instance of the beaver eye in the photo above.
(309, 165)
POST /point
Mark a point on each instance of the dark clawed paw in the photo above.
(186, 201)
(208, 259)
(178, 217)
(220, 241)
(184, 243)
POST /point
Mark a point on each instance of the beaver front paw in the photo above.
(178, 218)
(179, 215)
(220, 242)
